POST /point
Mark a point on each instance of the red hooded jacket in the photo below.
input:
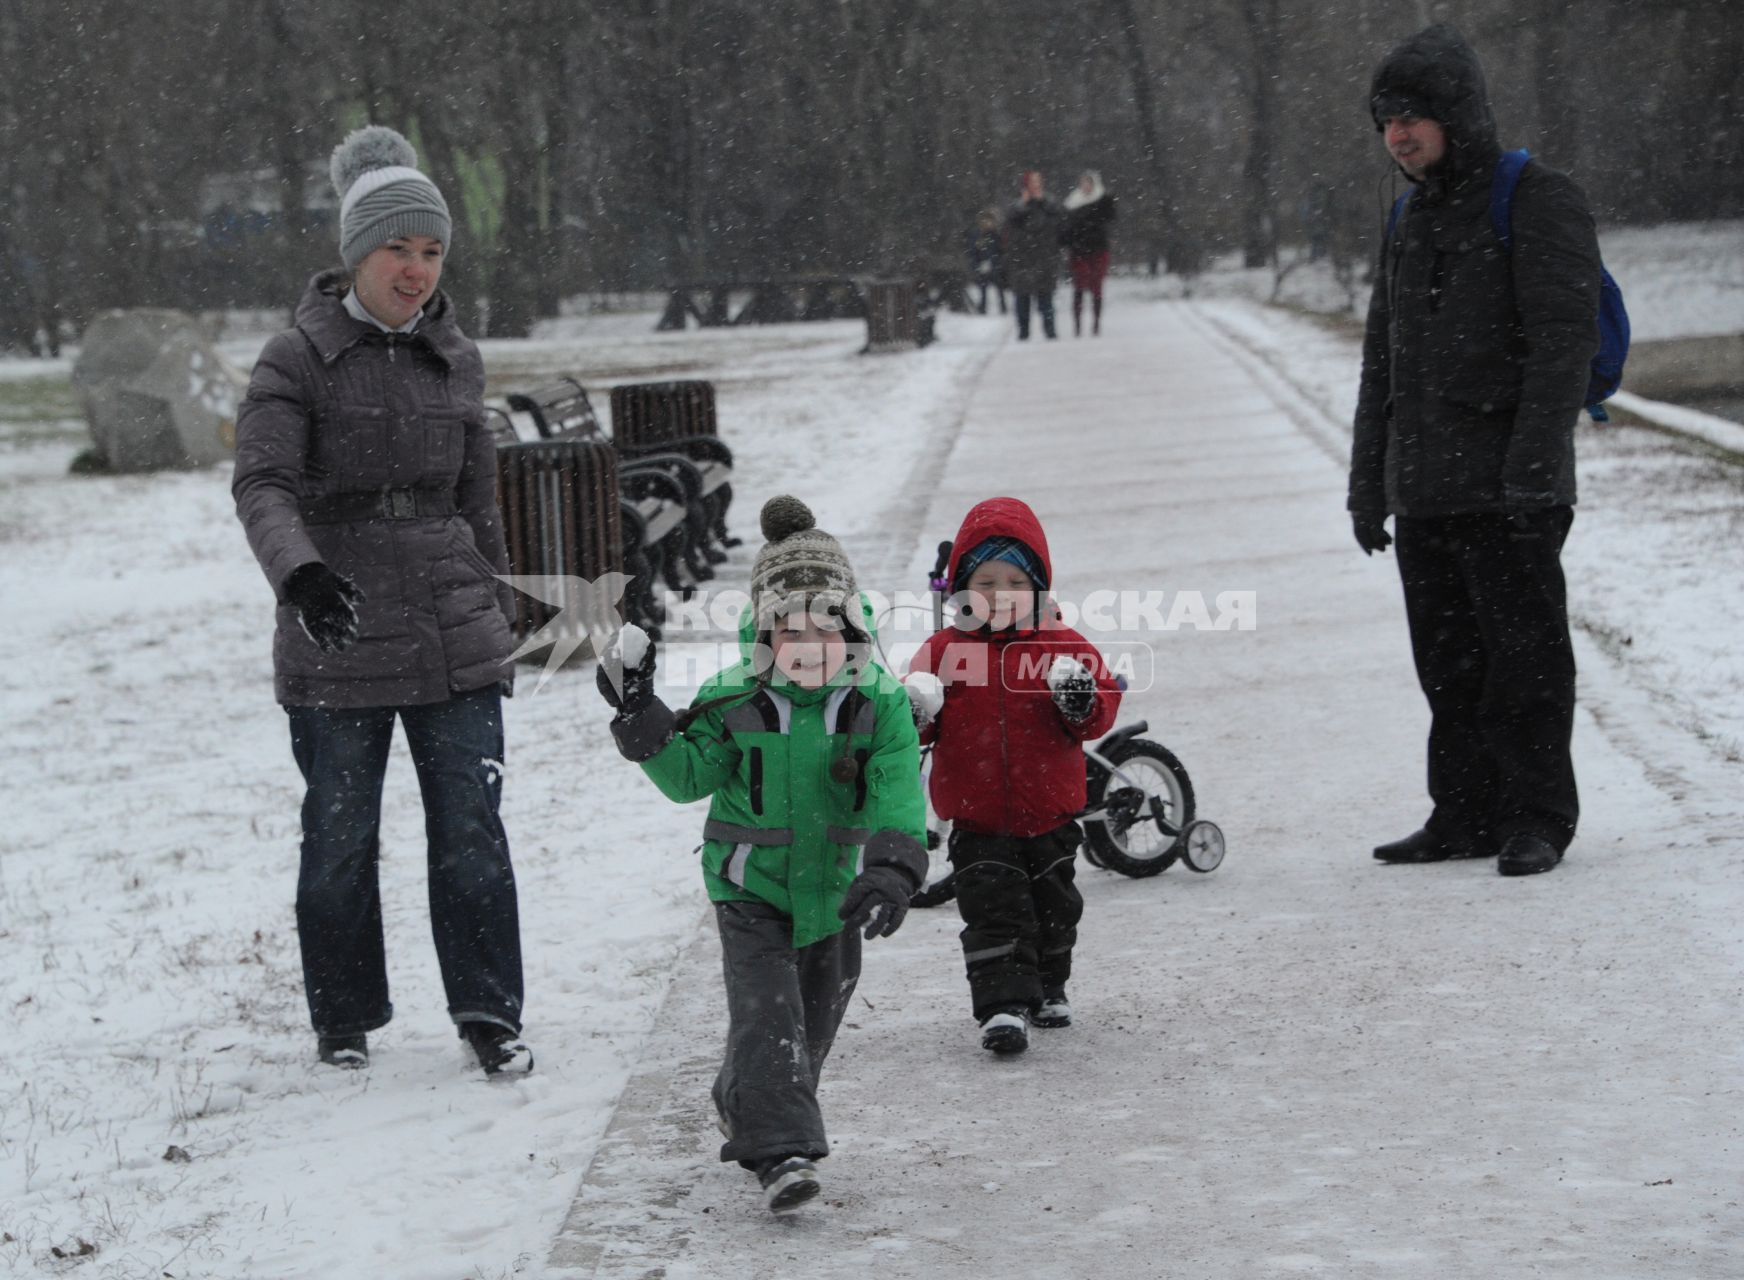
(1005, 761)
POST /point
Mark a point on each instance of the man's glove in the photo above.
(877, 901)
(625, 674)
(1073, 688)
(1371, 531)
(326, 605)
(926, 695)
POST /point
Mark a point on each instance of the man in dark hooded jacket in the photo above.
(1475, 367)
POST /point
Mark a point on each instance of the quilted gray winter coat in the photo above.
(367, 451)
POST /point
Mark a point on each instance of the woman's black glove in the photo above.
(326, 604)
(625, 674)
(877, 901)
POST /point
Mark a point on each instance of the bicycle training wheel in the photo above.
(1202, 845)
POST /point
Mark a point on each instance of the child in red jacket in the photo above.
(1006, 695)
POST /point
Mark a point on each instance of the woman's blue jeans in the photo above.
(457, 749)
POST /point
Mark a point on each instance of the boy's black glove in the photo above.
(1073, 687)
(1371, 531)
(326, 605)
(877, 901)
(625, 674)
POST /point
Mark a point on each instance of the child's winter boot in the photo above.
(1006, 1032)
(788, 1182)
(1053, 1011)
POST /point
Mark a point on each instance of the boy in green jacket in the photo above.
(815, 830)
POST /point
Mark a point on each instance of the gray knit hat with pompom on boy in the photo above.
(382, 195)
(799, 563)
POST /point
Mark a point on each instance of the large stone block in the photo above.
(156, 392)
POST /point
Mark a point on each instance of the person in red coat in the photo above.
(1006, 695)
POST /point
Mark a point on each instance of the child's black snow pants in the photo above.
(1020, 914)
(783, 1008)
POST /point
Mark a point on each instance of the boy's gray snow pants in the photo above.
(783, 1008)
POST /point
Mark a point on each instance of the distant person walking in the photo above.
(366, 482)
(1033, 230)
(986, 258)
(1089, 213)
(1475, 367)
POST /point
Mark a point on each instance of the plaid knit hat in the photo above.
(382, 195)
(800, 561)
(1002, 547)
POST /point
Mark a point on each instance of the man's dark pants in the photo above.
(457, 749)
(1488, 611)
(1044, 303)
(1020, 914)
(784, 1006)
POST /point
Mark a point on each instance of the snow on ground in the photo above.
(1682, 280)
(147, 865)
(1302, 1063)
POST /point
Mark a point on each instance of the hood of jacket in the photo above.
(1009, 518)
(994, 518)
(1077, 199)
(1437, 72)
(322, 317)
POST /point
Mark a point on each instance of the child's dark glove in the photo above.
(626, 670)
(326, 604)
(877, 901)
(1073, 687)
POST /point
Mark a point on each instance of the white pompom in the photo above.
(926, 693)
(374, 146)
(1065, 671)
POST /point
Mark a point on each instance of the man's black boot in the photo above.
(1527, 855)
(1426, 846)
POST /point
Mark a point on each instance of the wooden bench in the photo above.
(776, 301)
(661, 501)
(652, 419)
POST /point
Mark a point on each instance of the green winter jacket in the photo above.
(780, 830)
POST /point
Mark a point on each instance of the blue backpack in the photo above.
(1607, 368)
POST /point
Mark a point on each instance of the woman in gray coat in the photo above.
(366, 482)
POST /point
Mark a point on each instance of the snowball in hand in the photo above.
(1067, 672)
(628, 647)
(926, 693)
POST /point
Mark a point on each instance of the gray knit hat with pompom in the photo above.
(382, 195)
(799, 560)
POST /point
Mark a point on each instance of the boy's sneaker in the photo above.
(788, 1182)
(350, 1052)
(500, 1052)
(1053, 1011)
(1006, 1032)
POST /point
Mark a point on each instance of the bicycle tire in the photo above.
(1106, 841)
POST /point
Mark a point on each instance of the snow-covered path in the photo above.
(1306, 1062)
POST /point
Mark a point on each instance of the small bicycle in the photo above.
(1139, 817)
